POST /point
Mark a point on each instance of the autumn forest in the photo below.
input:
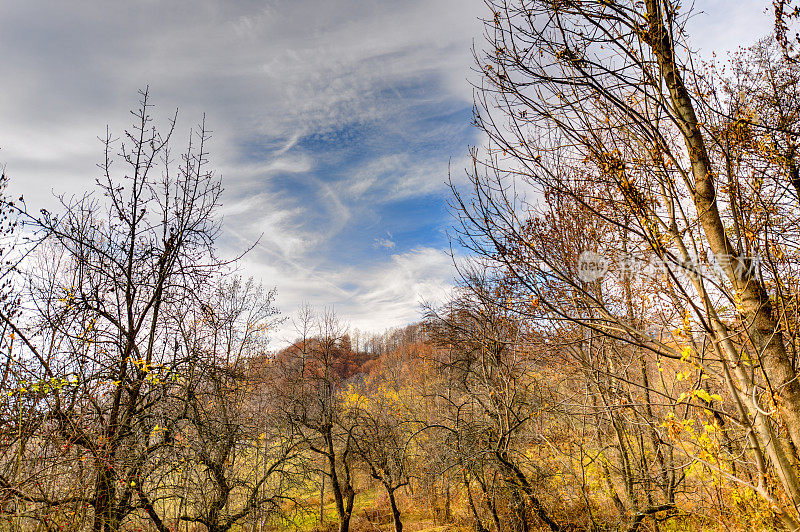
(619, 351)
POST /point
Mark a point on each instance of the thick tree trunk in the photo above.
(756, 309)
(525, 486)
(103, 501)
(477, 524)
(755, 306)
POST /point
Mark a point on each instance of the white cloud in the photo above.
(375, 296)
(267, 74)
(385, 243)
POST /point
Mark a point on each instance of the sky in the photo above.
(335, 124)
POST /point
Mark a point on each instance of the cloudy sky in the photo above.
(334, 124)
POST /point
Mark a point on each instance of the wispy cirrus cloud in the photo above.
(385, 243)
(335, 124)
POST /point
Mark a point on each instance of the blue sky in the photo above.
(335, 123)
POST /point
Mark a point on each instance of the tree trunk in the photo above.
(344, 524)
(102, 504)
(755, 308)
(322, 500)
(398, 524)
(344, 518)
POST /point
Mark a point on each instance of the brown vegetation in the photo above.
(620, 354)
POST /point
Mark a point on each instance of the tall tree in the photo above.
(308, 380)
(108, 293)
(603, 106)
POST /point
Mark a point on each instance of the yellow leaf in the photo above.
(702, 394)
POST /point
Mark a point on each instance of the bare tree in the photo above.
(382, 436)
(236, 460)
(493, 396)
(308, 379)
(106, 297)
(603, 108)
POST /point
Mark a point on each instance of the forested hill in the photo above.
(618, 351)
